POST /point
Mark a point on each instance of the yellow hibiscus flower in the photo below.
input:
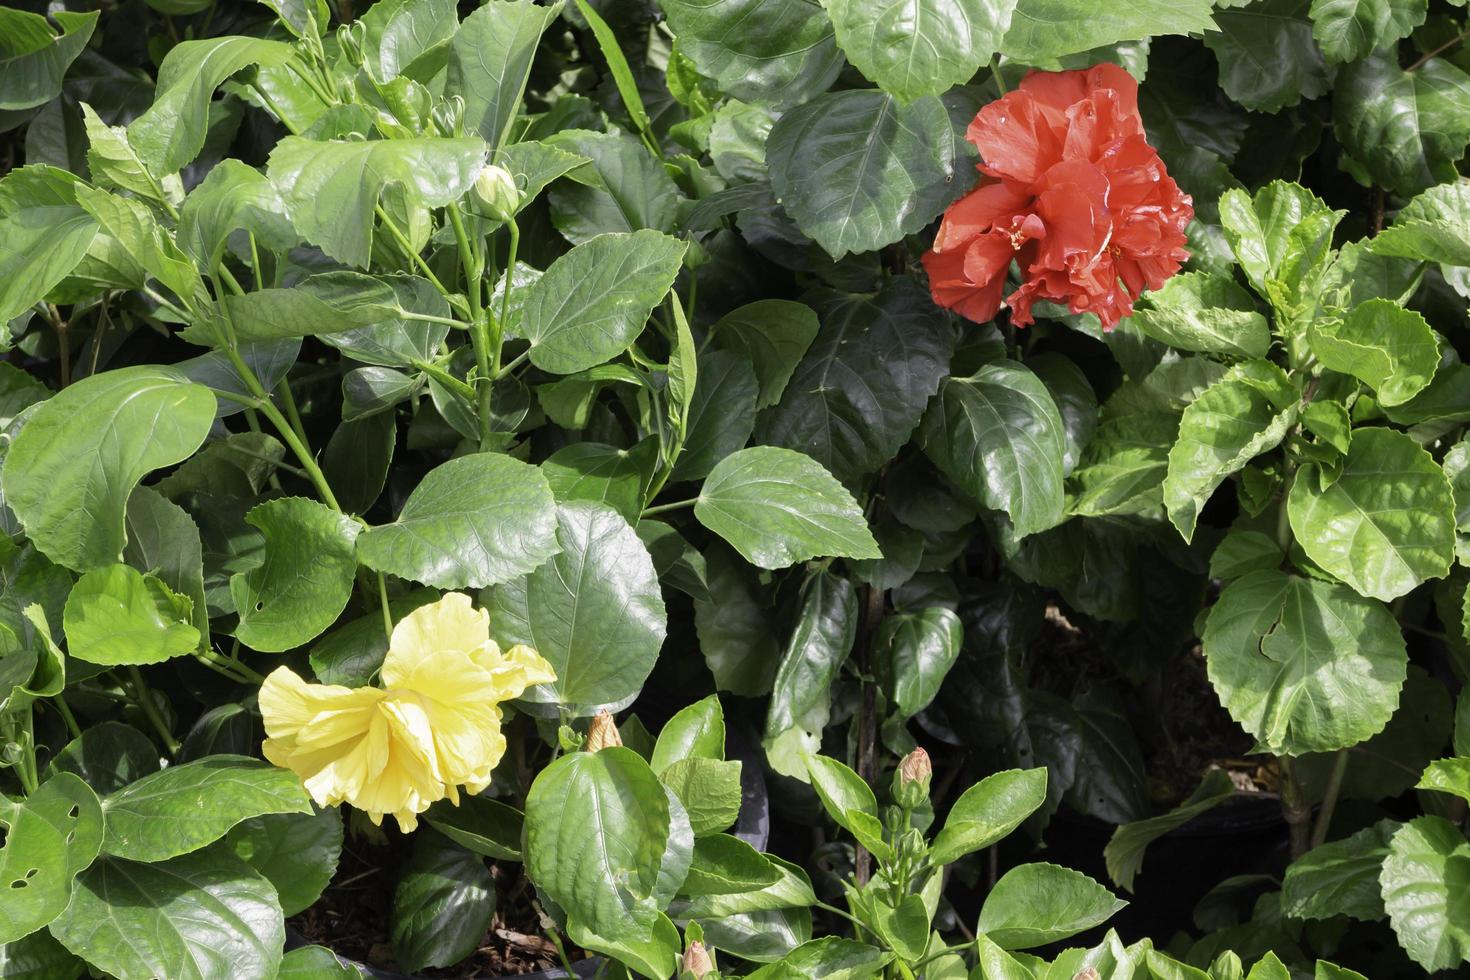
(432, 727)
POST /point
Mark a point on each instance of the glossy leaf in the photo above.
(490, 59)
(1044, 30)
(442, 905)
(915, 652)
(1351, 29)
(1340, 877)
(471, 522)
(480, 824)
(697, 731)
(1268, 57)
(39, 247)
(1388, 348)
(732, 627)
(117, 615)
(1426, 907)
(801, 698)
(778, 507)
(776, 334)
(988, 811)
(56, 471)
(108, 756)
(1201, 311)
(34, 59)
(1036, 904)
(914, 48)
(1303, 665)
(51, 836)
(296, 852)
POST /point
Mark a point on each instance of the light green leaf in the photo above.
(1422, 882)
(1406, 129)
(172, 132)
(1202, 311)
(111, 159)
(1351, 29)
(442, 906)
(708, 790)
(1036, 904)
(1387, 347)
(725, 865)
(39, 247)
(776, 334)
(196, 917)
(1303, 665)
(1260, 228)
(471, 522)
(316, 963)
(1125, 849)
(594, 611)
(163, 541)
(914, 48)
(1268, 59)
(1242, 415)
(296, 852)
(33, 60)
(697, 731)
(304, 582)
(778, 507)
(50, 837)
(608, 875)
(118, 615)
(407, 38)
(593, 301)
(849, 801)
(775, 51)
(71, 495)
(330, 188)
(490, 59)
(1386, 524)
(185, 807)
(858, 170)
(1044, 30)
(998, 434)
(1433, 227)
(1340, 877)
(233, 197)
(828, 958)
(1123, 468)
(988, 811)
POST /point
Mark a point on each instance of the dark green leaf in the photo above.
(442, 905)
(1339, 878)
(758, 50)
(1044, 30)
(801, 700)
(50, 837)
(1268, 58)
(490, 59)
(776, 334)
(913, 48)
(296, 852)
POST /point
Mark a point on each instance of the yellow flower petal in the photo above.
(452, 623)
(515, 670)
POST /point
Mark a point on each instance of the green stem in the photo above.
(1329, 798)
(408, 249)
(383, 600)
(445, 378)
(67, 717)
(665, 508)
(903, 970)
(293, 415)
(474, 270)
(510, 270)
(837, 911)
(516, 362)
(144, 696)
(26, 770)
(1000, 82)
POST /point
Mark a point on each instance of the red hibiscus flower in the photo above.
(1072, 192)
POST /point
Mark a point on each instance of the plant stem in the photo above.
(480, 332)
(548, 926)
(445, 378)
(510, 269)
(1329, 798)
(519, 359)
(26, 768)
(67, 717)
(1294, 808)
(665, 508)
(293, 415)
(867, 710)
(144, 697)
(1000, 83)
(408, 249)
(387, 612)
(1439, 50)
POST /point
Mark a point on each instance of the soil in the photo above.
(352, 919)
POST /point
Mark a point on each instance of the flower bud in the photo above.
(603, 733)
(697, 962)
(911, 781)
(496, 193)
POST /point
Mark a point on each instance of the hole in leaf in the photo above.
(71, 838)
(75, 809)
(259, 606)
(32, 873)
(19, 883)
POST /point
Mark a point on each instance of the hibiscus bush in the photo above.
(714, 488)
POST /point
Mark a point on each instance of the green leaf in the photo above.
(721, 414)
(331, 187)
(1044, 30)
(1125, 849)
(407, 38)
(111, 159)
(482, 825)
(297, 852)
(185, 807)
(50, 837)
(316, 963)
(1351, 29)
(1036, 904)
(778, 507)
(1406, 129)
(304, 582)
(1447, 776)
(70, 494)
(988, 811)
(758, 50)
(998, 434)
(828, 958)
(709, 791)
(801, 698)
(38, 957)
(725, 865)
(108, 756)
(1303, 665)
(731, 624)
(1423, 894)
(593, 301)
(858, 170)
(860, 391)
(915, 651)
(490, 60)
(471, 522)
(594, 611)
(1240, 552)
(196, 917)
(776, 333)
(1123, 468)
(163, 541)
(442, 906)
(1381, 536)
(601, 474)
(233, 197)
(608, 875)
(1075, 400)
(914, 48)
(33, 61)
(1205, 312)
(1268, 59)
(1339, 878)
(1237, 418)
(849, 801)
(377, 320)
(39, 247)
(117, 615)
(172, 132)
(133, 227)
(1267, 231)
(621, 189)
(697, 731)
(1387, 347)
(1433, 227)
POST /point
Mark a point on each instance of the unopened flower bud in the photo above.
(603, 733)
(350, 38)
(496, 193)
(911, 782)
(697, 962)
